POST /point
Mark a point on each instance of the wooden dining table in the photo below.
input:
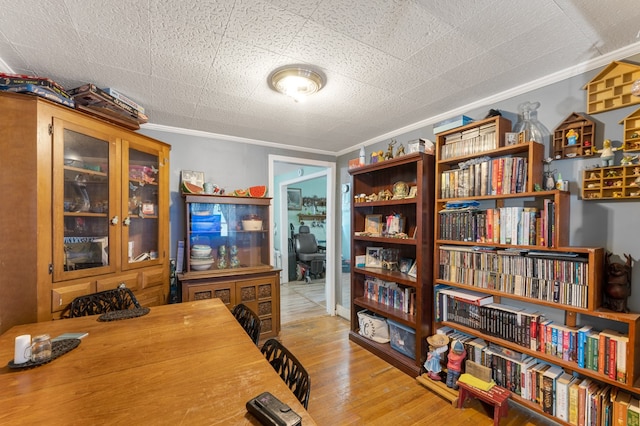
(182, 364)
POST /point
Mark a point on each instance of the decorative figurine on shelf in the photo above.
(400, 151)
(222, 257)
(374, 157)
(627, 160)
(606, 153)
(617, 288)
(234, 262)
(389, 154)
(549, 180)
(572, 137)
(438, 345)
(457, 354)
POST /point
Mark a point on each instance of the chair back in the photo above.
(249, 320)
(289, 369)
(117, 299)
(306, 241)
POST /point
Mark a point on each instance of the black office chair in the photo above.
(117, 299)
(311, 256)
(289, 369)
(249, 320)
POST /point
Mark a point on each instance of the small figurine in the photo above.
(617, 287)
(374, 157)
(627, 160)
(572, 137)
(234, 262)
(400, 151)
(438, 344)
(222, 256)
(389, 154)
(606, 153)
(636, 170)
(456, 355)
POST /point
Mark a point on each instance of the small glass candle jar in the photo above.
(41, 348)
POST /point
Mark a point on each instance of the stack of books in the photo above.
(39, 86)
(109, 104)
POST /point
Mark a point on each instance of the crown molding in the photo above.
(547, 80)
(229, 138)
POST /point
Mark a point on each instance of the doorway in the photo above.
(285, 173)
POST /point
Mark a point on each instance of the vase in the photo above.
(529, 124)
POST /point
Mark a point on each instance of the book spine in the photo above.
(117, 95)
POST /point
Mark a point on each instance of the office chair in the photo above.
(289, 369)
(310, 255)
(117, 299)
(249, 320)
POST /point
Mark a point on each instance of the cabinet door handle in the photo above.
(115, 220)
(126, 221)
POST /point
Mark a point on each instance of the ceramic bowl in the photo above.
(201, 264)
(252, 225)
(200, 250)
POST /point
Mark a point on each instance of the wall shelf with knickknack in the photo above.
(574, 137)
(611, 88)
(631, 133)
(611, 183)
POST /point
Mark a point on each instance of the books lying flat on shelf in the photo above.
(7, 79)
(41, 91)
(118, 95)
(91, 96)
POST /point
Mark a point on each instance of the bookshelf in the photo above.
(519, 258)
(416, 213)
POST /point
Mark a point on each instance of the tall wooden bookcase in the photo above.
(414, 170)
(470, 254)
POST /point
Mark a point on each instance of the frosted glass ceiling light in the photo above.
(297, 81)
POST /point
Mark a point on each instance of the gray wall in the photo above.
(614, 225)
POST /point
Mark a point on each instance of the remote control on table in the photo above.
(271, 411)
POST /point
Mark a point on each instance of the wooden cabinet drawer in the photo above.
(153, 296)
(61, 297)
(130, 280)
(154, 277)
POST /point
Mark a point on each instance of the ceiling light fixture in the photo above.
(297, 81)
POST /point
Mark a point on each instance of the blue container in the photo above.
(403, 338)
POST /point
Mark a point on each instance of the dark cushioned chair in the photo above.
(289, 369)
(117, 299)
(249, 320)
(310, 255)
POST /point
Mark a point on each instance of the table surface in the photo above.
(188, 363)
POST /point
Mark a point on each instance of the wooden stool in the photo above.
(496, 396)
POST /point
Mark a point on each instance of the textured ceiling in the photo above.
(202, 65)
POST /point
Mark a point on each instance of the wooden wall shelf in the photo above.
(585, 128)
(611, 183)
(611, 88)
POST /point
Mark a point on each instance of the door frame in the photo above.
(330, 223)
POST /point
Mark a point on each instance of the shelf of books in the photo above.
(391, 252)
(524, 303)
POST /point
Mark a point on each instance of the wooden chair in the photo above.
(249, 320)
(289, 369)
(117, 299)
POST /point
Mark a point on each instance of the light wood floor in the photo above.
(350, 386)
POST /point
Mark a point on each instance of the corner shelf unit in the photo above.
(525, 272)
(413, 169)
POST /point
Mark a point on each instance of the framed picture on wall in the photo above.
(294, 199)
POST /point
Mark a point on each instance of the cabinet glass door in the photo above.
(140, 206)
(84, 201)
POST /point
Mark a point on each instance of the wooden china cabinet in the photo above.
(85, 208)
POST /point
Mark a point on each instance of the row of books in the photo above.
(505, 175)
(573, 399)
(602, 351)
(553, 280)
(390, 294)
(91, 96)
(555, 266)
(468, 142)
(503, 225)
